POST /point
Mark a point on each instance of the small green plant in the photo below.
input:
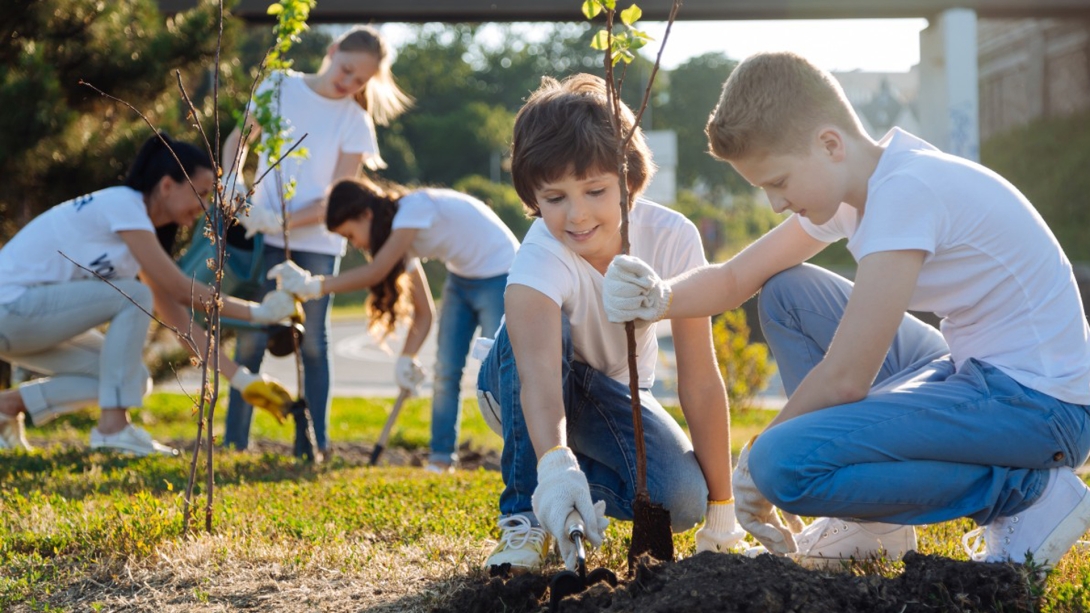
(744, 365)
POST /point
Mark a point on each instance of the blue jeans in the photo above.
(930, 443)
(317, 366)
(467, 303)
(599, 418)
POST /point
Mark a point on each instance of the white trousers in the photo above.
(51, 329)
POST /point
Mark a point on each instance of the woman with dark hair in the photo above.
(53, 299)
(398, 227)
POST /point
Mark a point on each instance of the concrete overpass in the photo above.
(418, 11)
(948, 95)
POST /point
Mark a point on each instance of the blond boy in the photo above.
(890, 423)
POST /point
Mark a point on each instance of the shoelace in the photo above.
(989, 543)
(518, 532)
(821, 528)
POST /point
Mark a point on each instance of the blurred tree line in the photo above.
(60, 138)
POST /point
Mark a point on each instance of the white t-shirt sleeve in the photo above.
(688, 252)
(359, 135)
(839, 227)
(126, 214)
(539, 268)
(902, 213)
(416, 211)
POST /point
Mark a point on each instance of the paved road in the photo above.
(362, 368)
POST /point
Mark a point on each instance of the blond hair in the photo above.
(565, 128)
(381, 97)
(772, 103)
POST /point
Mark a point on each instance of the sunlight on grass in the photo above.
(68, 516)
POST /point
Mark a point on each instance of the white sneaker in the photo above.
(439, 469)
(13, 432)
(132, 440)
(1046, 530)
(829, 541)
(522, 545)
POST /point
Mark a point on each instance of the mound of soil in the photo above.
(769, 584)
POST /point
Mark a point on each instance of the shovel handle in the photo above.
(384, 436)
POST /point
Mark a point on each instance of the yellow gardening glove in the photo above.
(263, 392)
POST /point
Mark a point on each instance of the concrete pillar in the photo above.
(949, 100)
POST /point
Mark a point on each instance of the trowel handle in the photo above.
(574, 526)
(576, 531)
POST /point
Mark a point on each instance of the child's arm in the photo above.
(716, 288)
(423, 312)
(236, 148)
(884, 283)
(348, 166)
(162, 274)
(533, 323)
(408, 372)
(365, 276)
(632, 289)
(704, 402)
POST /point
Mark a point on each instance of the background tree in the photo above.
(692, 93)
(58, 138)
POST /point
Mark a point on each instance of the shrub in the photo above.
(744, 365)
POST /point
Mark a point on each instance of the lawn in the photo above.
(98, 532)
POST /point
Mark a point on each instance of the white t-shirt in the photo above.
(331, 127)
(458, 230)
(663, 238)
(994, 272)
(83, 229)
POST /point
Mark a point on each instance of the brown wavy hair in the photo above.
(389, 302)
(565, 128)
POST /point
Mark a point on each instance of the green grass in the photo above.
(75, 523)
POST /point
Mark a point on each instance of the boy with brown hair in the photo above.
(557, 375)
(890, 423)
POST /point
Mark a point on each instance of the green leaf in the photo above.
(611, 5)
(600, 41)
(275, 8)
(591, 8)
(631, 15)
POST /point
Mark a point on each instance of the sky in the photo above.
(873, 45)
(878, 45)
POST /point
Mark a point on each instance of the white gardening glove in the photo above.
(632, 291)
(409, 374)
(263, 392)
(292, 278)
(276, 306)
(720, 532)
(261, 220)
(561, 487)
(756, 513)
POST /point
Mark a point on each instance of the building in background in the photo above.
(883, 99)
(1031, 69)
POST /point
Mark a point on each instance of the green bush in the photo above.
(1047, 161)
(744, 365)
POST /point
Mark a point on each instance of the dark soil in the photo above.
(768, 584)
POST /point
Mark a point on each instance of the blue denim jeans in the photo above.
(930, 443)
(600, 433)
(317, 366)
(467, 303)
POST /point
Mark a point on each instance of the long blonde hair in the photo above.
(381, 97)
